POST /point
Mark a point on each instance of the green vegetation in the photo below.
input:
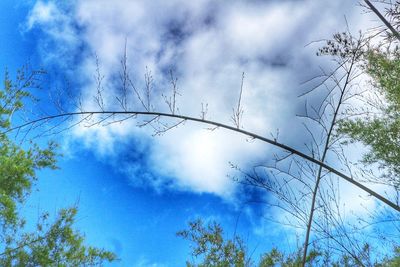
(51, 244)
(381, 131)
(209, 244)
(377, 126)
(210, 248)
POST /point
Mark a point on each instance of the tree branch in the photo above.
(383, 19)
(218, 125)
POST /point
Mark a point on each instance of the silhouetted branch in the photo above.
(219, 125)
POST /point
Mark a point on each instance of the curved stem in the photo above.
(221, 125)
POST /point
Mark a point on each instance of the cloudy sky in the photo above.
(136, 190)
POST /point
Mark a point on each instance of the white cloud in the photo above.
(143, 262)
(42, 13)
(63, 37)
(209, 44)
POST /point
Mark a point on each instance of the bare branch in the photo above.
(218, 125)
(238, 112)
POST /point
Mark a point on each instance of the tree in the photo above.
(381, 131)
(209, 247)
(320, 211)
(378, 128)
(52, 244)
(55, 244)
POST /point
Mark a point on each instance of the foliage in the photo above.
(381, 132)
(276, 258)
(18, 166)
(393, 261)
(210, 248)
(54, 244)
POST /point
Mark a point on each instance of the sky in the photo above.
(135, 190)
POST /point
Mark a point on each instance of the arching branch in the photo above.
(218, 125)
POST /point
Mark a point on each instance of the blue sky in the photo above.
(138, 223)
(136, 191)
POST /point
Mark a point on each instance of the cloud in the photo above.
(208, 44)
(62, 35)
(143, 262)
(42, 13)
